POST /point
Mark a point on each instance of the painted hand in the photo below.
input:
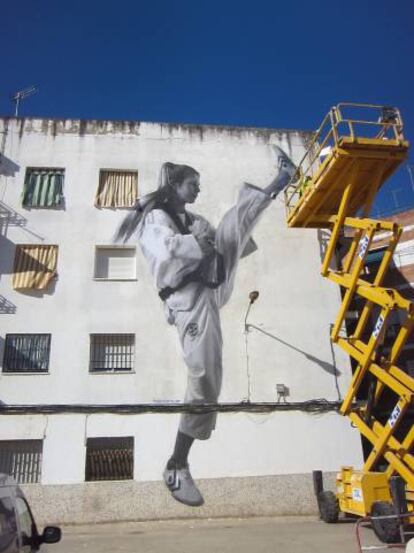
(206, 245)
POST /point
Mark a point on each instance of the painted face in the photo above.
(187, 191)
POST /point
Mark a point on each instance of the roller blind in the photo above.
(115, 263)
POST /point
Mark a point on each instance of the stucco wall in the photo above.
(294, 311)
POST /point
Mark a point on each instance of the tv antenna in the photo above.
(21, 95)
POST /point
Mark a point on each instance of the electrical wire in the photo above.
(85, 433)
(246, 332)
(309, 406)
(338, 391)
(45, 428)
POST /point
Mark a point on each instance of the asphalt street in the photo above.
(251, 535)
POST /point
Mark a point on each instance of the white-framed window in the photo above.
(109, 459)
(115, 263)
(22, 459)
(111, 353)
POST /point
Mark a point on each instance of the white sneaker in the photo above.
(286, 171)
(182, 486)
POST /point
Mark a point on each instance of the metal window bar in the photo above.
(27, 353)
(22, 459)
(109, 459)
(112, 352)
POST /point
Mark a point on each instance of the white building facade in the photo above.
(100, 336)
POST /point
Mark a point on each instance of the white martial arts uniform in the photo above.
(194, 309)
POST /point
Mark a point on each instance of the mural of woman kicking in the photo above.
(194, 267)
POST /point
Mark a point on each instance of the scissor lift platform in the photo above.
(333, 159)
(348, 160)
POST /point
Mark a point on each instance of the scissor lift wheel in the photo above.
(328, 506)
(386, 530)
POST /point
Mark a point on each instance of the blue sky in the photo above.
(262, 63)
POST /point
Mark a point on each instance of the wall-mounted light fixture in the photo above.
(282, 392)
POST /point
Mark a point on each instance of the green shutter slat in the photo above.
(37, 189)
(58, 188)
(48, 192)
(42, 199)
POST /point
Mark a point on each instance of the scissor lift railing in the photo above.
(348, 160)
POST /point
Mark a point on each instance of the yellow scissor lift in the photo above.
(352, 154)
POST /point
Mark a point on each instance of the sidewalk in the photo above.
(252, 535)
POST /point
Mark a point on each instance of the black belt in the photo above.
(166, 292)
(201, 274)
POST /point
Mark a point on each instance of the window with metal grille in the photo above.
(109, 459)
(22, 459)
(117, 188)
(26, 353)
(43, 187)
(115, 263)
(112, 352)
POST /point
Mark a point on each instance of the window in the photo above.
(115, 263)
(117, 188)
(26, 353)
(34, 266)
(43, 187)
(22, 459)
(112, 352)
(109, 459)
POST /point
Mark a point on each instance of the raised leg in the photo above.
(233, 236)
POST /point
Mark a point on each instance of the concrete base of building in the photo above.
(97, 502)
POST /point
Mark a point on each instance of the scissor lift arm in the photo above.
(348, 160)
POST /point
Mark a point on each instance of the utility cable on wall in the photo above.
(252, 297)
(331, 368)
(45, 428)
(309, 406)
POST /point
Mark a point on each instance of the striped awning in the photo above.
(117, 189)
(34, 266)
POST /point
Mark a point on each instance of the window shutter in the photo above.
(109, 458)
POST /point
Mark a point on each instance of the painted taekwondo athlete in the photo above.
(194, 267)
